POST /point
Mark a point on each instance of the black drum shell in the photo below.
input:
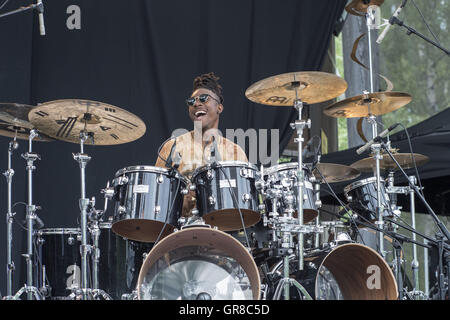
(216, 200)
(59, 255)
(362, 199)
(143, 200)
(119, 262)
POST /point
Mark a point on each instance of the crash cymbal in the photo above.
(404, 159)
(359, 7)
(335, 172)
(65, 119)
(14, 122)
(377, 104)
(312, 87)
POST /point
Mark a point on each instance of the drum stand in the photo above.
(13, 145)
(85, 249)
(31, 216)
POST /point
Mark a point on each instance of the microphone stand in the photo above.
(395, 20)
(445, 234)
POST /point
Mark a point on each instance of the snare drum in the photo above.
(362, 199)
(222, 188)
(147, 198)
(59, 264)
(284, 173)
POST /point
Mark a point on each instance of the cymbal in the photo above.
(65, 119)
(14, 122)
(359, 7)
(335, 172)
(358, 107)
(312, 87)
(404, 159)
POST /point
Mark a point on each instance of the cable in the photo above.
(423, 18)
(413, 159)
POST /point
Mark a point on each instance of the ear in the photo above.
(219, 109)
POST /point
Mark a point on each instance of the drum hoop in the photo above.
(59, 231)
(241, 164)
(150, 169)
(193, 229)
(360, 183)
(282, 167)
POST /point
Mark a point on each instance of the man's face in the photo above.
(207, 112)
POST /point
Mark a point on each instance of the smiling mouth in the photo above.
(200, 114)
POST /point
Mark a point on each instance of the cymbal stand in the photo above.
(30, 157)
(85, 249)
(299, 126)
(10, 268)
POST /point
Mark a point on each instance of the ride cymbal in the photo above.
(364, 105)
(108, 124)
(309, 86)
(404, 160)
(335, 172)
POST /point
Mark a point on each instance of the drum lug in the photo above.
(246, 197)
(160, 179)
(121, 209)
(192, 187)
(246, 173)
(70, 240)
(184, 192)
(209, 175)
(40, 241)
(122, 180)
(157, 209)
(212, 200)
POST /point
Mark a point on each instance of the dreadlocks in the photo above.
(209, 81)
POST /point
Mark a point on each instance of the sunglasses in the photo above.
(204, 97)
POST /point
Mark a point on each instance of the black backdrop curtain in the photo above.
(142, 56)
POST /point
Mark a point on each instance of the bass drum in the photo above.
(199, 263)
(119, 262)
(349, 271)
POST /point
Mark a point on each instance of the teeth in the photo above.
(200, 113)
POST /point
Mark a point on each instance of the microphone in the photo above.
(391, 21)
(169, 159)
(377, 138)
(40, 9)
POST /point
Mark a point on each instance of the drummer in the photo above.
(204, 144)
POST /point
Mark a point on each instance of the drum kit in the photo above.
(254, 234)
(247, 238)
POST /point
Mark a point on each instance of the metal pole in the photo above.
(9, 221)
(415, 262)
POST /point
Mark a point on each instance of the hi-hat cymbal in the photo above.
(14, 122)
(335, 172)
(66, 119)
(404, 160)
(359, 7)
(364, 105)
(308, 86)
